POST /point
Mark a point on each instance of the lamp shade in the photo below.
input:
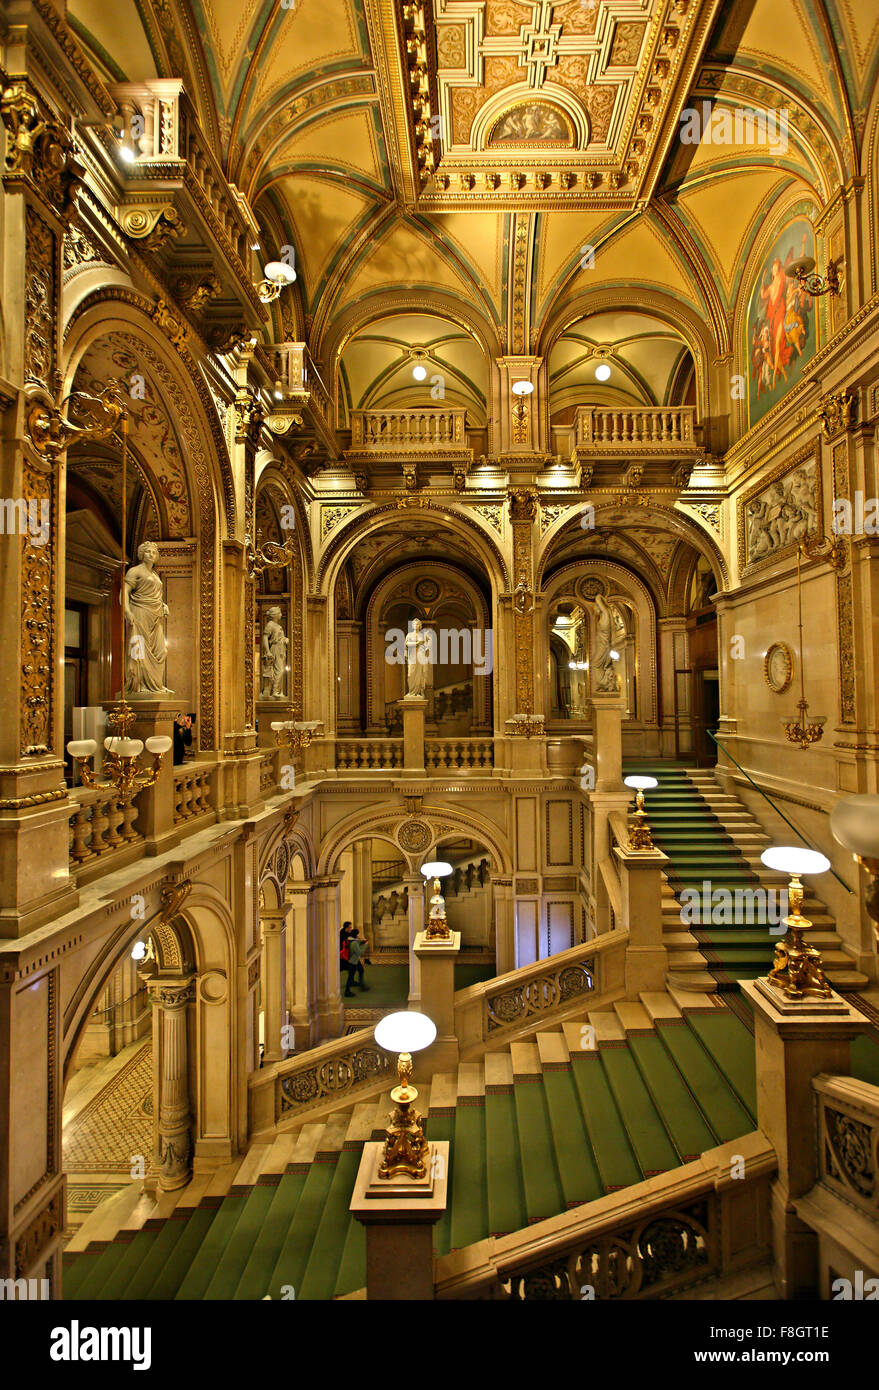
(437, 868)
(802, 266)
(408, 1031)
(82, 747)
(854, 822)
(123, 747)
(279, 272)
(642, 784)
(522, 388)
(792, 859)
(276, 725)
(159, 743)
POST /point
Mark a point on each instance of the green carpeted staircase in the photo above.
(534, 1129)
(711, 838)
(539, 1127)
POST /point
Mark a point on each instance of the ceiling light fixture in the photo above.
(602, 372)
(522, 388)
(419, 372)
(278, 276)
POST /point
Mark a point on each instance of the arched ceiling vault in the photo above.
(547, 133)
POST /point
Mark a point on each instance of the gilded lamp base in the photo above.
(797, 968)
(406, 1152)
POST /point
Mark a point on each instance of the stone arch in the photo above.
(648, 612)
(366, 523)
(209, 473)
(639, 299)
(678, 523)
(438, 822)
(438, 304)
(374, 701)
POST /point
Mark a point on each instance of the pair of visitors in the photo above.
(357, 949)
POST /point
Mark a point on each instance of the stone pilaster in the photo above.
(275, 928)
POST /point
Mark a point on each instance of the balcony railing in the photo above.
(663, 430)
(408, 431)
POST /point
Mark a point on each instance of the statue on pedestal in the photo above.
(417, 659)
(274, 656)
(145, 613)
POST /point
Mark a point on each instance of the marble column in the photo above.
(437, 968)
(415, 885)
(171, 998)
(607, 719)
(328, 1002)
(297, 973)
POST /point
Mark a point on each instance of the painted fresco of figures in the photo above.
(781, 327)
(145, 613)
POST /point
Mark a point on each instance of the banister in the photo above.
(777, 809)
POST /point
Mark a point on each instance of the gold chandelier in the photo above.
(123, 772)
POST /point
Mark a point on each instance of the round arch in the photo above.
(638, 299)
(208, 471)
(676, 522)
(433, 825)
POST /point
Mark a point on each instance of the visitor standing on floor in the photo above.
(356, 950)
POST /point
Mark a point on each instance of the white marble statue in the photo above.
(605, 679)
(417, 659)
(274, 656)
(145, 613)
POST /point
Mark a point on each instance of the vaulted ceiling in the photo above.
(478, 176)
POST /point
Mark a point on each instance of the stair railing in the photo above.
(492, 1011)
(795, 828)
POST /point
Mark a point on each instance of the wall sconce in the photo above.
(796, 970)
(803, 271)
(406, 1150)
(521, 389)
(278, 275)
(639, 833)
(437, 928)
(854, 823)
(121, 763)
(295, 734)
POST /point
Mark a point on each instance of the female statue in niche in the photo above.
(274, 656)
(606, 679)
(417, 658)
(145, 613)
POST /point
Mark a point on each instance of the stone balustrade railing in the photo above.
(559, 985)
(847, 1150)
(369, 754)
(192, 790)
(405, 431)
(659, 429)
(458, 754)
(318, 1079)
(654, 1239)
(100, 823)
